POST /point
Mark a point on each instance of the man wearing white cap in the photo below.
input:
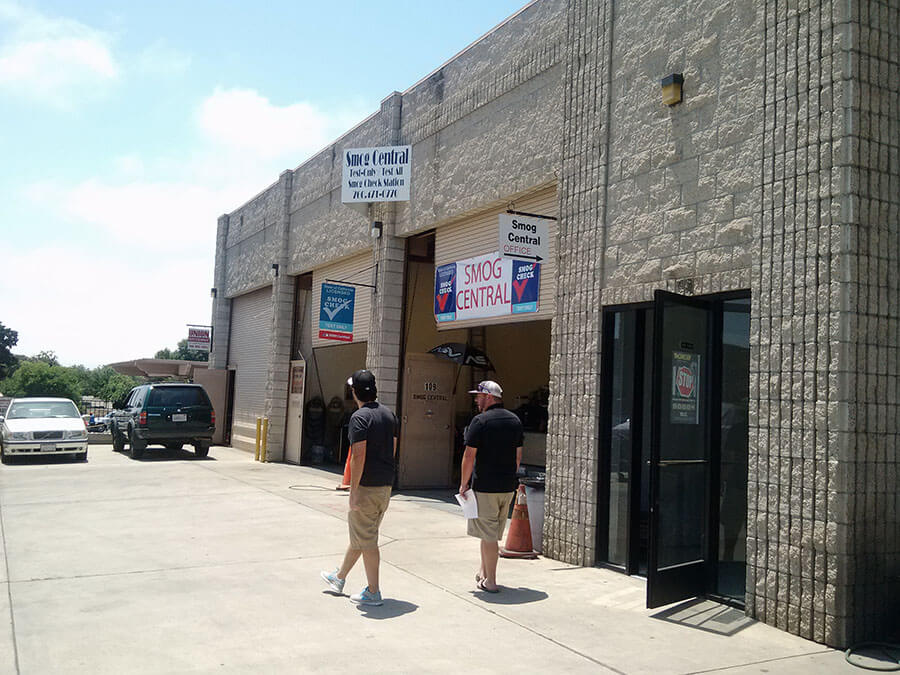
(491, 460)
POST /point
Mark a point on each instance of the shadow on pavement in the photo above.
(391, 609)
(706, 615)
(511, 596)
(153, 454)
(37, 459)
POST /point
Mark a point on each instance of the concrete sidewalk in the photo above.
(173, 564)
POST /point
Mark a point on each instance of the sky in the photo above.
(126, 129)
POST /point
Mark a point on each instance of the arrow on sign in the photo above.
(536, 258)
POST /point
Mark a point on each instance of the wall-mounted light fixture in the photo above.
(275, 269)
(377, 227)
(671, 88)
(213, 292)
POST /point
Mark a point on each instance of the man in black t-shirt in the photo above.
(492, 457)
(373, 444)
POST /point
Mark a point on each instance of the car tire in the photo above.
(4, 458)
(136, 446)
(201, 449)
(173, 446)
(81, 456)
(118, 440)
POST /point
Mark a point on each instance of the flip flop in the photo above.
(478, 577)
(484, 588)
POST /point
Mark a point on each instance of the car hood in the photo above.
(45, 424)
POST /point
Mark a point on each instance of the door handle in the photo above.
(677, 462)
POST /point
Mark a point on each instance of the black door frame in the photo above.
(717, 301)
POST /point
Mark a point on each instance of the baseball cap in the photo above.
(362, 380)
(488, 387)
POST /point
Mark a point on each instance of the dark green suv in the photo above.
(170, 415)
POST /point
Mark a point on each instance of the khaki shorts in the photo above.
(373, 502)
(493, 512)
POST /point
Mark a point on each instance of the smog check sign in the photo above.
(524, 237)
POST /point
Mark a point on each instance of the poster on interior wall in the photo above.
(336, 312)
(485, 286)
(685, 388)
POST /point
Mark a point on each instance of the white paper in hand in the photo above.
(469, 504)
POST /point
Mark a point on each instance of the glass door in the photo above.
(680, 449)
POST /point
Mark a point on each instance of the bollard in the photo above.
(265, 438)
(258, 423)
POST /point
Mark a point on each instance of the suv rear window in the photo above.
(177, 396)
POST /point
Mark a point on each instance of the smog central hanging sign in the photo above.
(376, 174)
(685, 388)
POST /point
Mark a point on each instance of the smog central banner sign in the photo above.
(486, 286)
(336, 312)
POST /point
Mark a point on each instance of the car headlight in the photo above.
(80, 435)
(21, 436)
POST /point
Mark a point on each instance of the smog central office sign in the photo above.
(486, 286)
(376, 174)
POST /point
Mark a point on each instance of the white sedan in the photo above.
(42, 426)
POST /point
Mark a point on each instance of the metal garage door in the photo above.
(248, 354)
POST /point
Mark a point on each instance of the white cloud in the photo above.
(246, 121)
(53, 59)
(58, 299)
(156, 216)
(146, 231)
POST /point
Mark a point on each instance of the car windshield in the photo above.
(36, 409)
(166, 396)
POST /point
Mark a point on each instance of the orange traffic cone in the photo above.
(345, 481)
(518, 540)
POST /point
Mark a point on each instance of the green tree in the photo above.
(109, 385)
(38, 378)
(182, 352)
(8, 339)
(47, 356)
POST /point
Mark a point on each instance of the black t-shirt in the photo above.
(377, 426)
(495, 433)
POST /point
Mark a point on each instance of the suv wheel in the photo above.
(81, 456)
(201, 448)
(118, 440)
(136, 445)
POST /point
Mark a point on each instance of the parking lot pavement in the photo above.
(173, 564)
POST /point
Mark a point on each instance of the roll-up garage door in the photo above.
(359, 269)
(248, 354)
(478, 235)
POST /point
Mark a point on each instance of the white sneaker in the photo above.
(334, 582)
(366, 597)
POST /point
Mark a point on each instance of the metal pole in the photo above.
(258, 423)
(265, 438)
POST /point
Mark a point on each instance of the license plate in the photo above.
(48, 447)
(179, 417)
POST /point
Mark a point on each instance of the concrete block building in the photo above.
(708, 370)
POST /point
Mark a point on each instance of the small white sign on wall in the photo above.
(376, 174)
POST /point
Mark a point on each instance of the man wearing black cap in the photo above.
(492, 457)
(373, 444)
